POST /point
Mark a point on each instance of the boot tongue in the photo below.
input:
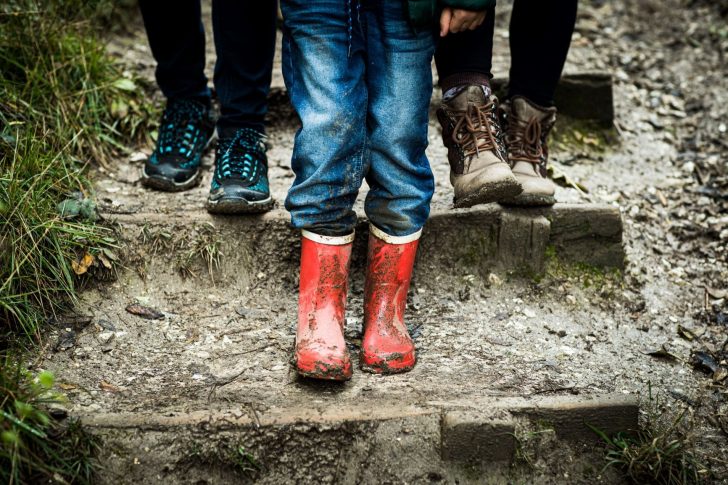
(469, 95)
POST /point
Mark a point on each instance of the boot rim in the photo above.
(328, 240)
(383, 236)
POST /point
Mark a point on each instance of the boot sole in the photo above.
(329, 373)
(491, 192)
(387, 367)
(239, 206)
(530, 200)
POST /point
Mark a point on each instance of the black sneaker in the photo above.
(186, 130)
(240, 182)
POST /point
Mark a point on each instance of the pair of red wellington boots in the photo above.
(386, 348)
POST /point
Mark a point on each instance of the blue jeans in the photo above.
(360, 80)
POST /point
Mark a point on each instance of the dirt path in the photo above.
(227, 337)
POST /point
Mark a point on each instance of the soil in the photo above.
(227, 335)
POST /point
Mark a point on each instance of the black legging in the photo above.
(540, 35)
(245, 35)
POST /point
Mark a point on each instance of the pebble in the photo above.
(105, 337)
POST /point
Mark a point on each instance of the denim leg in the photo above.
(323, 68)
(177, 39)
(245, 38)
(399, 83)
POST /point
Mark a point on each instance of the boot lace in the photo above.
(476, 129)
(525, 140)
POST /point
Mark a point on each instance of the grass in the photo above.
(529, 442)
(34, 447)
(660, 452)
(63, 105)
(225, 454)
(205, 246)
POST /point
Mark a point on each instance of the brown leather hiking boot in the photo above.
(479, 171)
(527, 126)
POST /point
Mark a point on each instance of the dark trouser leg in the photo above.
(540, 35)
(245, 36)
(177, 39)
(466, 57)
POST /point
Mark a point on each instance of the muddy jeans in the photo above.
(359, 78)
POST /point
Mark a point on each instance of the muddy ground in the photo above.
(226, 339)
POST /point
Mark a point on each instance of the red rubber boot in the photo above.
(320, 347)
(387, 347)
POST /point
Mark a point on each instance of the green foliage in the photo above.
(63, 104)
(34, 448)
(660, 452)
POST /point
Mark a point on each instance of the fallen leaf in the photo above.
(107, 386)
(105, 261)
(66, 386)
(144, 312)
(685, 333)
(564, 180)
(81, 266)
(715, 293)
(662, 353)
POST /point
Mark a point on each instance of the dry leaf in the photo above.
(686, 333)
(144, 312)
(716, 293)
(107, 386)
(105, 261)
(80, 267)
(67, 387)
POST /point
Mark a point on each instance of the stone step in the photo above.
(367, 441)
(475, 241)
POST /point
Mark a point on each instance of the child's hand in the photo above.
(458, 20)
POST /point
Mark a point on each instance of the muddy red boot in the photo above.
(321, 351)
(387, 347)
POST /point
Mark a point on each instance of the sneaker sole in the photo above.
(168, 185)
(491, 192)
(529, 200)
(239, 206)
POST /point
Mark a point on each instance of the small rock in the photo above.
(529, 313)
(66, 339)
(105, 337)
(138, 157)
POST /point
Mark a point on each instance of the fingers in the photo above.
(462, 20)
(445, 20)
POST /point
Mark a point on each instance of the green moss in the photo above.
(582, 136)
(587, 275)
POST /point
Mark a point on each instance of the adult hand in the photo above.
(454, 20)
